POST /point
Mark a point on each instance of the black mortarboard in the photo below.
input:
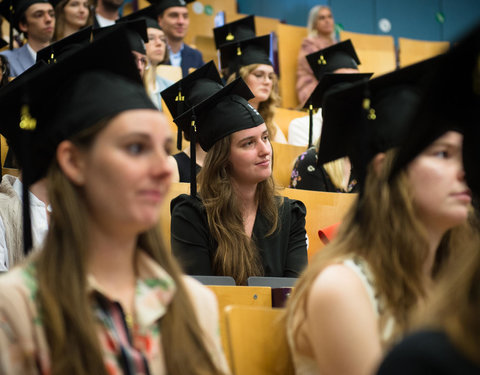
(12, 10)
(450, 102)
(327, 60)
(149, 14)
(371, 116)
(328, 82)
(136, 32)
(177, 96)
(246, 52)
(161, 5)
(235, 31)
(3, 43)
(63, 99)
(64, 46)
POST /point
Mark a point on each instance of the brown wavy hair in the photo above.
(455, 304)
(236, 254)
(62, 289)
(382, 227)
(60, 18)
(266, 108)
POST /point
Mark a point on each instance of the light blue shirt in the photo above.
(175, 58)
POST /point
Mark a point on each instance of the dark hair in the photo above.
(5, 71)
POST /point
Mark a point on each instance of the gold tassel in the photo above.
(180, 97)
(321, 60)
(371, 112)
(27, 122)
(239, 51)
(230, 36)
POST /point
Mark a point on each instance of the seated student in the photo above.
(103, 296)
(358, 295)
(447, 336)
(321, 34)
(336, 175)
(171, 96)
(157, 53)
(71, 16)
(250, 59)
(236, 226)
(340, 58)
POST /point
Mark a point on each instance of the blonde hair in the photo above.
(382, 227)
(335, 170)
(266, 108)
(60, 18)
(236, 254)
(66, 312)
(312, 20)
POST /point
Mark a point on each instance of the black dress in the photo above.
(183, 162)
(283, 254)
(427, 352)
(307, 175)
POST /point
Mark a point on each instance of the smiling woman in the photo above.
(71, 16)
(236, 226)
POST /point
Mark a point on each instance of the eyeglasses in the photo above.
(155, 38)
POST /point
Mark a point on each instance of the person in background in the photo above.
(321, 34)
(253, 64)
(395, 240)
(340, 58)
(446, 336)
(107, 12)
(174, 21)
(71, 16)
(5, 70)
(237, 225)
(105, 295)
(36, 19)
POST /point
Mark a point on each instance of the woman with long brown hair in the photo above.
(237, 225)
(103, 296)
(71, 16)
(358, 295)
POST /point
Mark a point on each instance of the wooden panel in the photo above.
(284, 116)
(257, 341)
(206, 45)
(289, 41)
(376, 52)
(323, 209)
(412, 50)
(4, 148)
(284, 157)
(172, 73)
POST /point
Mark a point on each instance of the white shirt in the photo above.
(32, 52)
(39, 221)
(104, 22)
(298, 129)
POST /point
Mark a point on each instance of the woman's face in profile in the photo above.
(260, 82)
(126, 175)
(441, 195)
(250, 155)
(76, 13)
(325, 24)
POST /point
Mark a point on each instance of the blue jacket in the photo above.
(19, 60)
(191, 58)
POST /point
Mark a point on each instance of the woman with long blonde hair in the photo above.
(236, 226)
(358, 295)
(103, 296)
(253, 65)
(71, 16)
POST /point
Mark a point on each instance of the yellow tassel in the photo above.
(27, 122)
(239, 51)
(321, 60)
(230, 36)
(180, 97)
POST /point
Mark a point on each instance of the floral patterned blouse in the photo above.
(308, 175)
(128, 347)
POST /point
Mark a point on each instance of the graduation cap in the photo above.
(329, 81)
(59, 100)
(245, 52)
(3, 43)
(52, 52)
(327, 60)
(371, 116)
(136, 32)
(450, 102)
(178, 98)
(161, 5)
(12, 10)
(235, 31)
(222, 113)
(149, 14)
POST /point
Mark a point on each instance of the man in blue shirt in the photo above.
(173, 19)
